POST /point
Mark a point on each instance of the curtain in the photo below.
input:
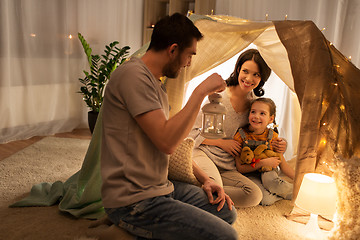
(41, 59)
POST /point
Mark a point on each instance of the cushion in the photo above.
(180, 163)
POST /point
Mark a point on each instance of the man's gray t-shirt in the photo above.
(132, 167)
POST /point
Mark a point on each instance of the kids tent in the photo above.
(326, 84)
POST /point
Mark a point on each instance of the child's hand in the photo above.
(271, 162)
(279, 145)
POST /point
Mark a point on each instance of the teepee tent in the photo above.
(325, 82)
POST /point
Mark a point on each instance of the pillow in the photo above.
(180, 163)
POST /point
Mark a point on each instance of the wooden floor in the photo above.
(10, 148)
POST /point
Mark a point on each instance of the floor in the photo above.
(10, 148)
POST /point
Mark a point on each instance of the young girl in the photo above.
(262, 113)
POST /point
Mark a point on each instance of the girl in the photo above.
(262, 113)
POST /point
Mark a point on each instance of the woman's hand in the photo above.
(279, 145)
(210, 187)
(230, 146)
(270, 162)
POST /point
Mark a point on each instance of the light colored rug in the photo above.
(53, 159)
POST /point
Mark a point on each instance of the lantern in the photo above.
(213, 117)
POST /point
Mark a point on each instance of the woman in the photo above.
(216, 156)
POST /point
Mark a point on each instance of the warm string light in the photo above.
(266, 16)
(342, 108)
(324, 169)
(324, 164)
(323, 29)
(337, 68)
(286, 17)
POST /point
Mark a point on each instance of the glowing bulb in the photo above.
(324, 124)
(349, 58)
(331, 43)
(323, 29)
(342, 107)
(286, 17)
(323, 141)
(266, 16)
(32, 35)
(335, 84)
(70, 36)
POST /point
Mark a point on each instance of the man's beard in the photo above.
(172, 69)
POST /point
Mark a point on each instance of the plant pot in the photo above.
(92, 117)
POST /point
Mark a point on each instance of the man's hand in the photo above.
(213, 83)
(211, 187)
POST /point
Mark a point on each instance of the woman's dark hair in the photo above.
(176, 28)
(265, 71)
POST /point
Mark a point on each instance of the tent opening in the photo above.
(288, 112)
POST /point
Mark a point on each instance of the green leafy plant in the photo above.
(101, 68)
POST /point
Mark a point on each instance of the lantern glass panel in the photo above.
(213, 123)
(213, 117)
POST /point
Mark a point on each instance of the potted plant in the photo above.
(94, 82)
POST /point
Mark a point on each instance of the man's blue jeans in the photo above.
(184, 214)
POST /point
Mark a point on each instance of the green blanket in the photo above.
(79, 195)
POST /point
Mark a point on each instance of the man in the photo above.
(138, 136)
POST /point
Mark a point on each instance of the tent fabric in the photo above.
(325, 82)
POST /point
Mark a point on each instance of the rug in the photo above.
(53, 159)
